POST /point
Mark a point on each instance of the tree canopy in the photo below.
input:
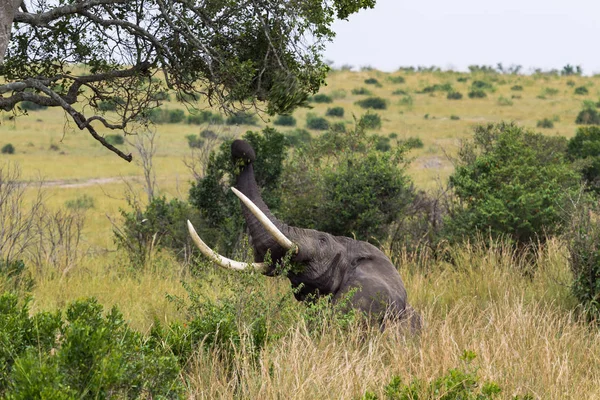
(238, 54)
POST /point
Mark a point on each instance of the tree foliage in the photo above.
(511, 183)
(233, 53)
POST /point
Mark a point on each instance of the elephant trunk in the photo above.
(262, 240)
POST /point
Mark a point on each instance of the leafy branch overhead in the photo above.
(78, 54)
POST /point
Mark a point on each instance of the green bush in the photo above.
(462, 79)
(517, 88)
(321, 98)
(371, 121)
(285, 120)
(338, 127)
(511, 184)
(446, 87)
(8, 149)
(454, 96)
(588, 116)
(406, 101)
(454, 117)
(115, 139)
(581, 90)
(205, 117)
(399, 92)
(361, 91)
(298, 137)
(316, 123)
(161, 225)
(584, 257)
(481, 85)
(335, 112)
(375, 103)
(208, 134)
(413, 143)
(372, 81)
(545, 123)
(477, 94)
(83, 202)
(80, 353)
(194, 141)
(13, 276)
(241, 118)
(165, 116)
(344, 185)
(396, 79)
(584, 150)
(31, 106)
(338, 94)
(461, 383)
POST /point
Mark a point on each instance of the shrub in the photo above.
(375, 103)
(194, 141)
(205, 117)
(316, 123)
(581, 90)
(344, 185)
(161, 95)
(446, 87)
(371, 121)
(571, 83)
(338, 94)
(481, 85)
(584, 257)
(413, 143)
(399, 92)
(512, 184)
(584, 150)
(504, 101)
(335, 112)
(361, 91)
(161, 225)
(241, 118)
(477, 94)
(84, 202)
(549, 91)
(322, 98)
(285, 120)
(454, 96)
(298, 137)
(31, 106)
(382, 143)
(462, 79)
(517, 88)
(588, 116)
(458, 383)
(81, 353)
(454, 117)
(8, 149)
(545, 123)
(115, 139)
(396, 79)
(372, 81)
(338, 127)
(406, 101)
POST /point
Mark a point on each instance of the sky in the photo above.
(547, 34)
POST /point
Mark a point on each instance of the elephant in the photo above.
(342, 267)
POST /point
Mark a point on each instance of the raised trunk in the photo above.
(8, 7)
(262, 240)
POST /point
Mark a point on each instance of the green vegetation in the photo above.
(454, 96)
(285, 120)
(589, 115)
(316, 123)
(115, 139)
(371, 121)
(8, 149)
(321, 98)
(584, 150)
(242, 118)
(361, 91)
(545, 123)
(335, 112)
(205, 117)
(477, 94)
(581, 90)
(375, 103)
(512, 184)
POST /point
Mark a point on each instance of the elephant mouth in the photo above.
(225, 262)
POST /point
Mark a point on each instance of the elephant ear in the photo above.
(242, 152)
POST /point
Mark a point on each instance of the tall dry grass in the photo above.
(522, 327)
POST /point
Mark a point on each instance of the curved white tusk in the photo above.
(269, 226)
(219, 259)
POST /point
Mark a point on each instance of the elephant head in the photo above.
(329, 265)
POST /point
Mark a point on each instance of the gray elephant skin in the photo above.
(329, 265)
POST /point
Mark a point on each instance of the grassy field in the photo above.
(523, 329)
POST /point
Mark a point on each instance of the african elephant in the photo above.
(330, 264)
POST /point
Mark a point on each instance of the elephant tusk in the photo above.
(267, 223)
(219, 259)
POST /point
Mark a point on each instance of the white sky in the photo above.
(457, 33)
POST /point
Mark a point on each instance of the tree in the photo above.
(77, 54)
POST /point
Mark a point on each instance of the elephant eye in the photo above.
(322, 240)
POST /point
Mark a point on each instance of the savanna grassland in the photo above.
(524, 330)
